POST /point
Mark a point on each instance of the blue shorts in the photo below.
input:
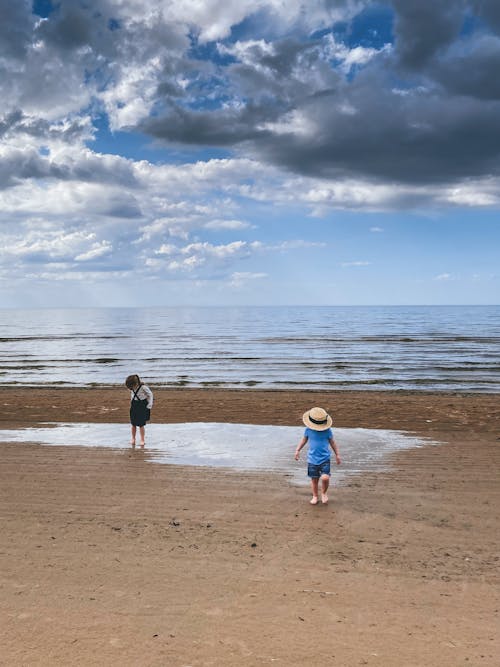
(315, 471)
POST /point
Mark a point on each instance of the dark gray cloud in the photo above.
(101, 28)
(10, 121)
(425, 27)
(70, 27)
(124, 206)
(16, 28)
(19, 165)
(272, 83)
(414, 138)
(227, 127)
(488, 11)
(16, 122)
(473, 72)
(29, 159)
(74, 24)
(426, 113)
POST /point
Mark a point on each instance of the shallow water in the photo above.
(242, 447)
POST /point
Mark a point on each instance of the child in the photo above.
(141, 402)
(320, 437)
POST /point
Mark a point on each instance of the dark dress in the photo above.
(139, 411)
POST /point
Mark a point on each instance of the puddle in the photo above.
(236, 446)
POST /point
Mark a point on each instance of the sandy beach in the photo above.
(107, 559)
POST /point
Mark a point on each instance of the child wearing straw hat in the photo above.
(319, 435)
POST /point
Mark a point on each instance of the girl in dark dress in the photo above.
(141, 402)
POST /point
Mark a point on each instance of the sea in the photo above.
(433, 348)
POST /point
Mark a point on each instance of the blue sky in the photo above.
(323, 152)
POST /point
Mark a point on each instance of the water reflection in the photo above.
(235, 446)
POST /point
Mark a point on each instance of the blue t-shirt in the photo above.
(319, 445)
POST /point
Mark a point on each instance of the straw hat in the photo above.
(317, 419)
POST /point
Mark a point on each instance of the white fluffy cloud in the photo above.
(110, 211)
(49, 246)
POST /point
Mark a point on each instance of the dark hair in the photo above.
(132, 381)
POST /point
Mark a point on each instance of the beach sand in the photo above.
(107, 559)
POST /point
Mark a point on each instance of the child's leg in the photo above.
(142, 431)
(133, 430)
(314, 487)
(325, 483)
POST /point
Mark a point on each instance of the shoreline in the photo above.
(292, 389)
(417, 411)
(376, 387)
(108, 559)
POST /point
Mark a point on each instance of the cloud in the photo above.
(241, 278)
(268, 83)
(424, 27)
(217, 225)
(284, 103)
(214, 19)
(156, 217)
(41, 246)
(97, 250)
(16, 29)
(356, 263)
(219, 251)
(310, 120)
(314, 105)
(488, 11)
(193, 257)
(298, 244)
(470, 68)
(424, 137)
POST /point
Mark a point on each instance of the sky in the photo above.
(249, 152)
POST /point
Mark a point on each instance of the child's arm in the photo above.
(335, 448)
(299, 447)
(149, 395)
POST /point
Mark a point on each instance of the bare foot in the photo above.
(142, 444)
(314, 500)
(324, 498)
(132, 442)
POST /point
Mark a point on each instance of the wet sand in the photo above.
(107, 559)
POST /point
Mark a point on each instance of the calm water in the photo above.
(439, 348)
(237, 446)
